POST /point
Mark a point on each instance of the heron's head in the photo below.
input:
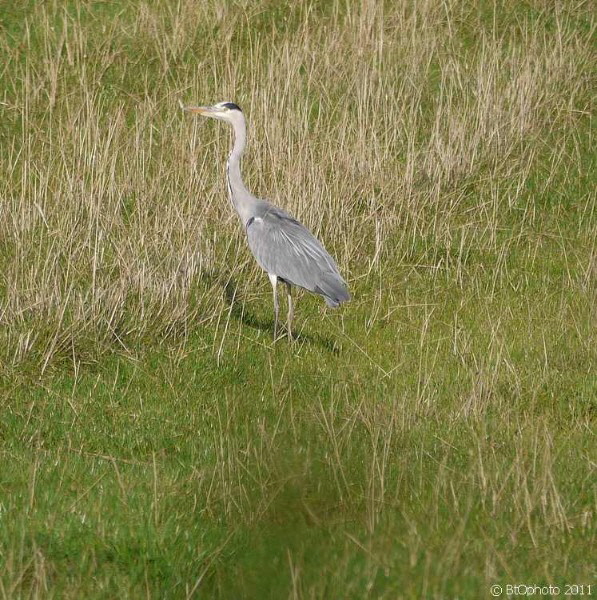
(226, 111)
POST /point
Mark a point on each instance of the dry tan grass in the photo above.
(372, 123)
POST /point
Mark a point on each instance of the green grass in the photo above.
(431, 438)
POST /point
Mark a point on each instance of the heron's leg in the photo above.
(290, 311)
(274, 281)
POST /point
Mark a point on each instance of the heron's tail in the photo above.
(333, 289)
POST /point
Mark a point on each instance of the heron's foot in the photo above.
(285, 333)
(278, 334)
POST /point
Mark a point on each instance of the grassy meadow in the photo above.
(431, 438)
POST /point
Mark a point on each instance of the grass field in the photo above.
(430, 439)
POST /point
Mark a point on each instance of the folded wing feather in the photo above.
(284, 247)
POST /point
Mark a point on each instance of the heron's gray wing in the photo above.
(284, 247)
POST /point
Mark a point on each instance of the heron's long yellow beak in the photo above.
(206, 111)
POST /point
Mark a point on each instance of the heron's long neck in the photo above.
(239, 195)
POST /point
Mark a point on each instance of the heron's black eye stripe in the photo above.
(249, 222)
(232, 106)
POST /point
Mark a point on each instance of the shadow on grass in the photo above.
(233, 299)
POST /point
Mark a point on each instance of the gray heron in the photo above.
(282, 246)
